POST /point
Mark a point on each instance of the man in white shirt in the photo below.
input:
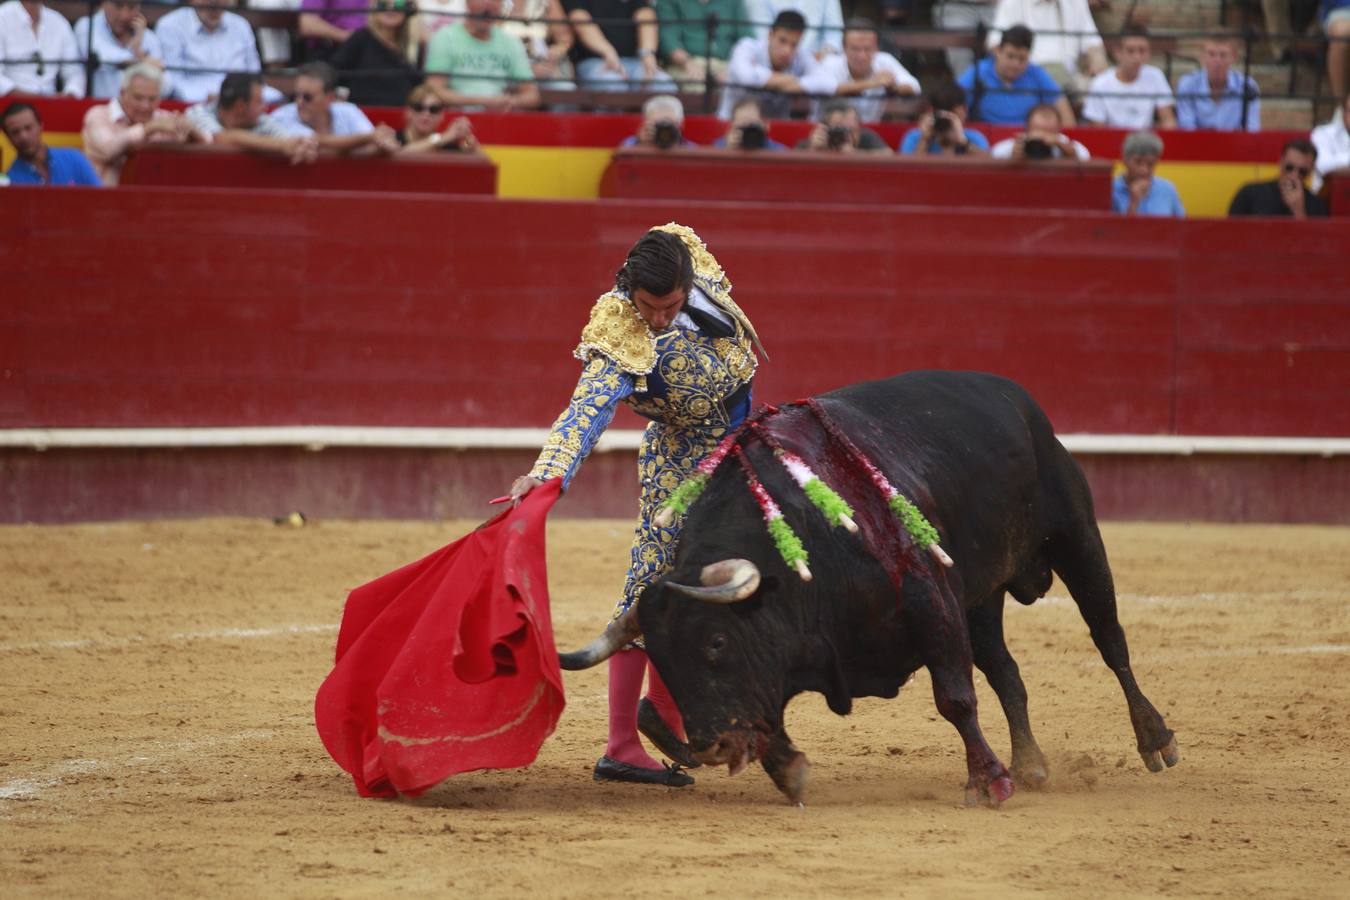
(37, 45)
(120, 38)
(338, 126)
(773, 70)
(1067, 40)
(1332, 141)
(823, 20)
(205, 42)
(1133, 93)
(865, 76)
(1043, 139)
(132, 120)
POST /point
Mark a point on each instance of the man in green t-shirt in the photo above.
(475, 63)
(684, 38)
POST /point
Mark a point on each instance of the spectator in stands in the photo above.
(373, 62)
(864, 74)
(963, 16)
(773, 69)
(840, 131)
(205, 41)
(684, 38)
(37, 47)
(475, 63)
(1212, 96)
(1286, 195)
(120, 38)
(1003, 87)
(1043, 139)
(1332, 141)
(1133, 94)
(336, 124)
(274, 44)
(662, 120)
(748, 130)
(542, 27)
(422, 121)
(132, 120)
(36, 163)
(616, 43)
(824, 21)
(235, 120)
(1068, 45)
(1137, 191)
(941, 130)
(328, 23)
(1336, 24)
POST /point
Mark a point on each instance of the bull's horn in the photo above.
(618, 633)
(723, 582)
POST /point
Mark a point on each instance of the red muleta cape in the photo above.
(447, 664)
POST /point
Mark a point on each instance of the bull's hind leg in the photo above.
(1080, 561)
(933, 614)
(991, 655)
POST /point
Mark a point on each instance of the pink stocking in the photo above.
(664, 703)
(625, 687)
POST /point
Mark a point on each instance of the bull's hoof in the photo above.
(991, 795)
(1032, 775)
(1166, 758)
(790, 777)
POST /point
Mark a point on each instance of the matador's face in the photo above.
(659, 312)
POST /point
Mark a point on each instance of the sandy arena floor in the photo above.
(156, 738)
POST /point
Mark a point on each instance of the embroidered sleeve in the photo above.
(603, 384)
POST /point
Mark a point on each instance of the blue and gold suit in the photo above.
(692, 386)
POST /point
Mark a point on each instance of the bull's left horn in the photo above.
(728, 581)
(618, 633)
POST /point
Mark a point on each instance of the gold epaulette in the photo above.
(617, 330)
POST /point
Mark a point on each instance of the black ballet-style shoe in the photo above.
(607, 769)
(654, 728)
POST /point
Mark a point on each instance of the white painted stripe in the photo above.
(217, 634)
(317, 437)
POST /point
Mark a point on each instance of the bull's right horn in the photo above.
(617, 634)
(727, 581)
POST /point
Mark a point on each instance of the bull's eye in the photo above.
(716, 644)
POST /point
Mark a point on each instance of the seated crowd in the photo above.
(766, 59)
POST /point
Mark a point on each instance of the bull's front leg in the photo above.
(786, 765)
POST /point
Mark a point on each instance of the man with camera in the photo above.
(748, 130)
(662, 118)
(1042, 139)
(941, 130)
(840, 131)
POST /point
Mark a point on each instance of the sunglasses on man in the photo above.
(1303, 171)
(433, 108)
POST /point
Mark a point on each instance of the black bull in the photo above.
(981, 460)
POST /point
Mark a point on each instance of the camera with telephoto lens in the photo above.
(753, 136)
(836, 137)
(666, 135)
(941, 124)
(1035, 148)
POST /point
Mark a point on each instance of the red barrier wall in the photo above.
(151, 306)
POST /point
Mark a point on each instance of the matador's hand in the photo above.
(522, 486)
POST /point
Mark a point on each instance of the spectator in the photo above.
(376, 56)
(336, 124)
(773, 69)
(941, 130)
(274, 44)
(866, 75)
(1137, 191)
(615, 48)
(1286, 195)
(121, 38)
(202, 43)
(1336, 24)
(422, 131)
(328, 23)
(1003, 87)
(475, 63)
(36, 163)
(132, 120)
(840, 131)
(963, 16)
(1068, 44)
(748, 130)
(1332, 141)
(684, 38)
(1043, 139)
(43, 40)
(824, 21)
(1132, 94)
(1212, 96)
(236, 120)
(662, 118)
(542, 26)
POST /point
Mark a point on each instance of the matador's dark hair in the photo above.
(658, 263)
